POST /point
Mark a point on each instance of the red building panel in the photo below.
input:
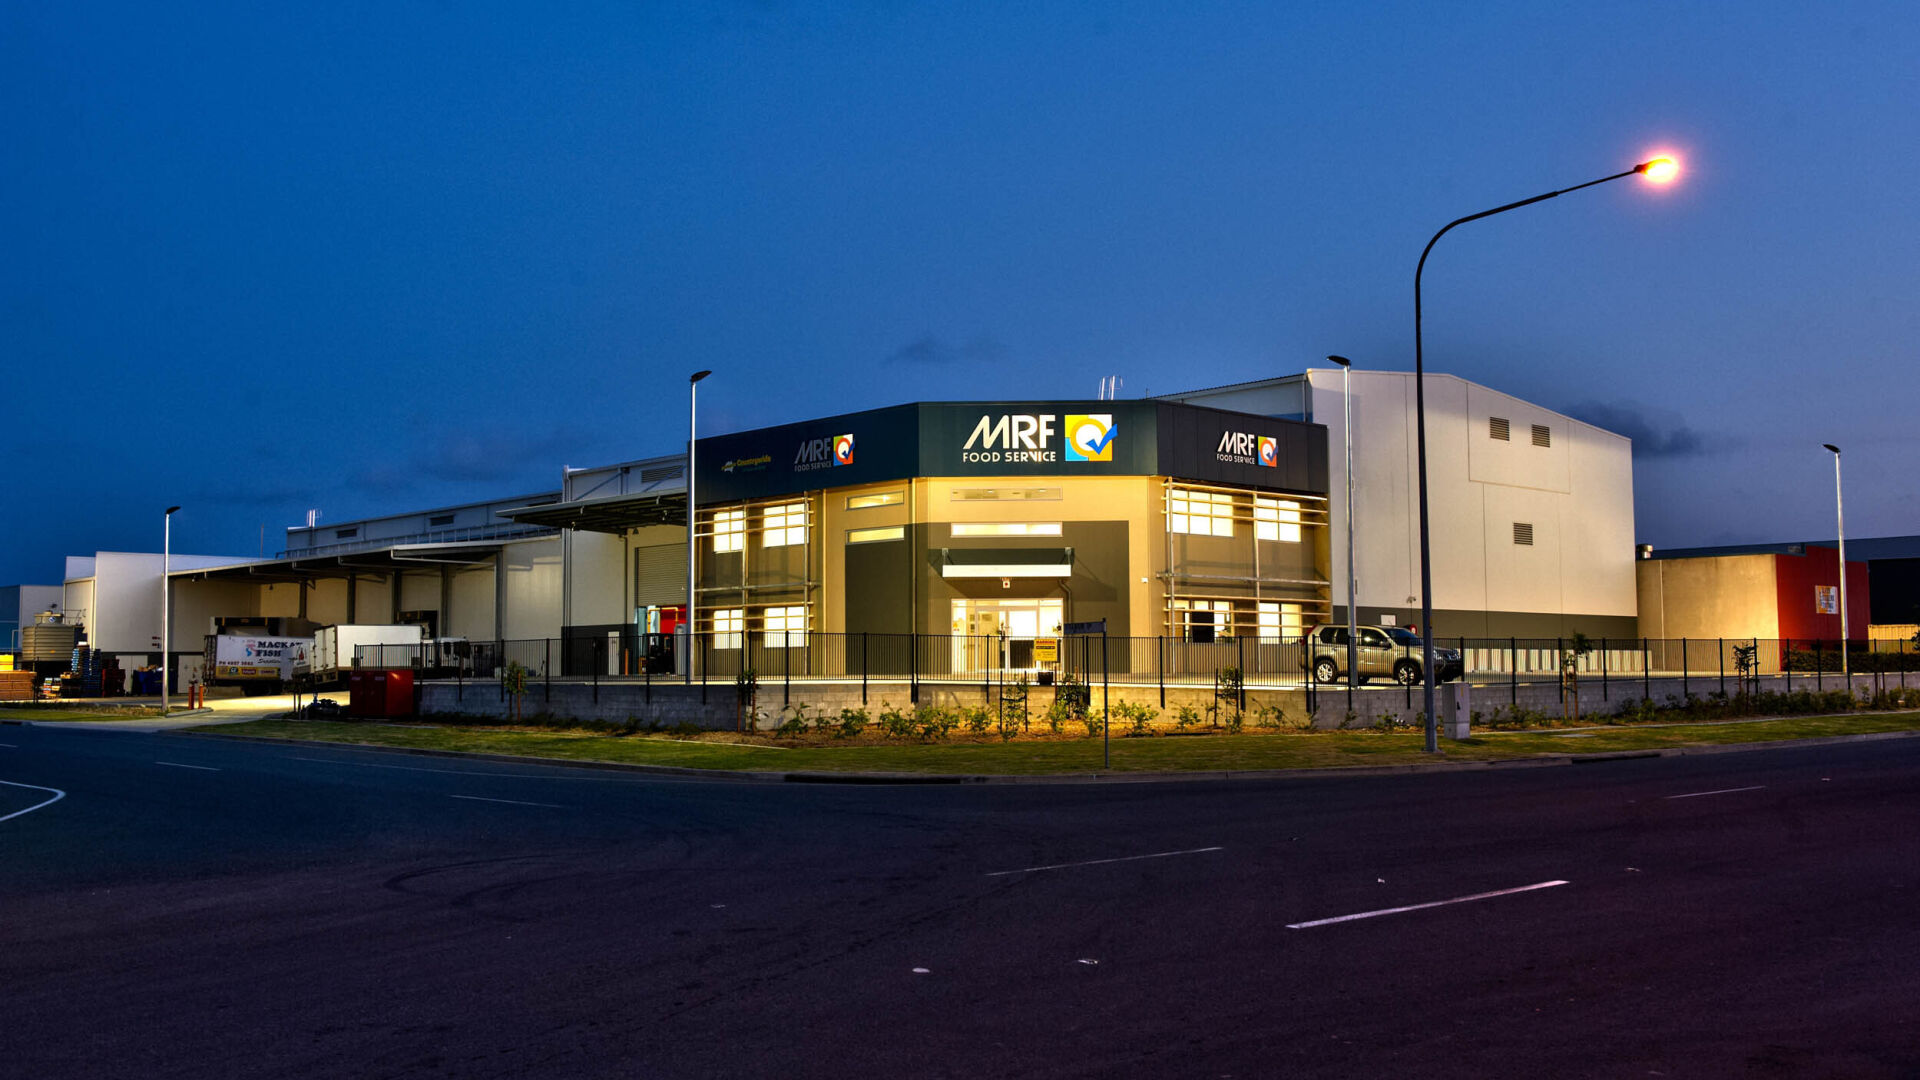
(1797, 579)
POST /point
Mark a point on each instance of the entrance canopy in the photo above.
(385, 560)
(609, 514)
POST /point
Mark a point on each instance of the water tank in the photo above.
(49, 640)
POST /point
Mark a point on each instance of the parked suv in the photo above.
(1382, 650)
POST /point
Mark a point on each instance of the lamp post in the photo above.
(166, 606)
(1659, 170)
(1353, 620)
(693, 407)
(1840, 524)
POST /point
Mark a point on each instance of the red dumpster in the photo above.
(375, 694)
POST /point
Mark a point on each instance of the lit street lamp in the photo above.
(166, 607)
(1840, 523)
(1659, 171)
(1353, 621)
(693, 405)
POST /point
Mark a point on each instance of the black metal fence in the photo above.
(1611, 668)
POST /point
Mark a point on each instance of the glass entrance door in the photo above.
(1001, 632)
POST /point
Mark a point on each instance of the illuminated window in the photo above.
(1201, 513)
(878, 498)
(786, 627)
(727, 625)
(1276, 519)
(1006, 528)
(1280, 622)
(729, 530)
(1201, 621)
(1005, 494)
(870, 536)
(784, 524)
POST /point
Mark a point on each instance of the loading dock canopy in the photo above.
(612, 514)
(348, 564)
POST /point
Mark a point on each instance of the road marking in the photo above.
(177, 765)
(1722, 791)
(11, 746)
(512, 802)
(558, 763)
(57, 796)
(1419, 907)
(1102, 862)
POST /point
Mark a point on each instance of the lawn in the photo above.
(1327, 749)
(67, 715)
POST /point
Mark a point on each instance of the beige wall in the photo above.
(531, 590)
(1732, 596)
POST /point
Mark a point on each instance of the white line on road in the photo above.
(57, 796)
(177, 765)
(1419, 907)
(9, 745)
(1722, 791)
(1102, 862)
(511, 802)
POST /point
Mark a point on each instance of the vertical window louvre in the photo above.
(1497, 428)
(1542, 435)
(1201, 513)
(1523, 533)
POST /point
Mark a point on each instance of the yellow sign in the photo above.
(1046, 650)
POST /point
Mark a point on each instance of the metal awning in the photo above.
(385, 560)
(1006, 562)
(611, 514)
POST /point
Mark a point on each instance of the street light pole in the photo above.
(1353, 621)
(1840, 524)
(166, 607)
(693, 407)
(1659, 170)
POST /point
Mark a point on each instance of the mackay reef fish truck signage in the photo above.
(234, 657)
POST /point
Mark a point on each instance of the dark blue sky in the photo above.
(375, 257)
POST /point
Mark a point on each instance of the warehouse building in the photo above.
(1785, 591)
(19, 604)
(1531, 510)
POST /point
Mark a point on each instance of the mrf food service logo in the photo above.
(1028, 437)
(823, 453)
(1245, 448)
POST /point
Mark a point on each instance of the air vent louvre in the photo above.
(1523, 533)
(1497, 428)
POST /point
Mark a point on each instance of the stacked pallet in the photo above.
(16, 686)
(86, 671)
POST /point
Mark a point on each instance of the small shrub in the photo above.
(795, 725)
(1058, 714)
(896, 724)
(1138, 718)
(978, 719)
(1269, 716)
(935, 722)
(852, 723)
(1185, 716)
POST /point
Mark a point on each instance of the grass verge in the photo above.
(1042, 757)
(69, 715)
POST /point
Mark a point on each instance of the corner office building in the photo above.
(1012, 518)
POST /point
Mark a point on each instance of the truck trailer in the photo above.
(256, 664)
(339, 649)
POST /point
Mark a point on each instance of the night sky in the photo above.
(377, 257)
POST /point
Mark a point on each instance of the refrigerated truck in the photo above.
(259, 665)
(335, 647)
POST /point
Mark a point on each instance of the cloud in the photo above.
(1656, 433)
(930, 351)
(468, 458)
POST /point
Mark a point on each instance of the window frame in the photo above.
(729, 529)
(783, 524)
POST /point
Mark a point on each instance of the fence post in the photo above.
(1723, 667)
(1240, 650)
(1686, 691)
(546, 671)
(986, 677)
(598, 660)
(1513, 672)
(913, 666)
(1646, 670)
(704, 642)
(863, 667)
(1559, 664)
(1160, 667)
(1603, 669)
(1786, 664)
(1903, 664)
(1106, 704)
(786, 668)
(646, 669)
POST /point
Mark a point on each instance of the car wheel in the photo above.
(1406, 673)
(1325, 671)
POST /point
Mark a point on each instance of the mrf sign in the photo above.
(1058, 439)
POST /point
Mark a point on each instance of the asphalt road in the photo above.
(205, 908)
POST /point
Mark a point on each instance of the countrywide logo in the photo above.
(1090, 436)
(1269, 452)
(843, 449)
